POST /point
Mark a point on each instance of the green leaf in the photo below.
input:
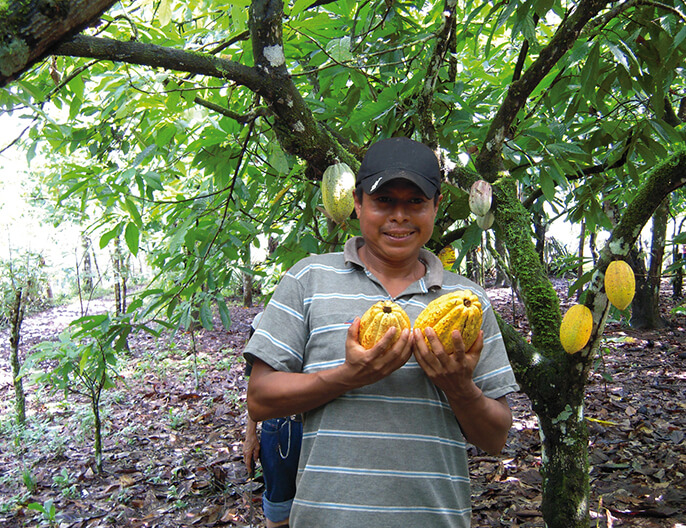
(133, 211)
(109, 235)
(224, 313)
(164, 12)
(206, 315)
(339, 49)
(132, 237)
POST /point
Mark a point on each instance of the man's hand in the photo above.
(364, 367)
(251, 446)
(452, 373)
(485, 422)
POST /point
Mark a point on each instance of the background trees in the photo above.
(196, 133)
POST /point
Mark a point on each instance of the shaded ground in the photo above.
(175, 426)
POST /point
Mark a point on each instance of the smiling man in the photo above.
(385, 429)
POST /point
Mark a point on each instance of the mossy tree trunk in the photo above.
(554, 380)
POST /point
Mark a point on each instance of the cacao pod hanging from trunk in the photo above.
(575, 330)
(620, 284)
(458, 310)
(338, 186)
(480, 197)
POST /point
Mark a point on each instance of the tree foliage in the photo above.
(198, 132)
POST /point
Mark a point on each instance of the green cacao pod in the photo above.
(486, 222)
(458, 310)
(480, 197)
(620, 284)
(338, 185)
(575, 330)
(378, 319)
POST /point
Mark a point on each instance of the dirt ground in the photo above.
(174, 427)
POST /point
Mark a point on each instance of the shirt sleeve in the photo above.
(282, 334)
(493, 374)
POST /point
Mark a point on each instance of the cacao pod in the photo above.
(480, 197)
(458, 310)
(575, 329)
(378, 319)
(338, 185)
(447, 257)
(485, 222)
(620, 284)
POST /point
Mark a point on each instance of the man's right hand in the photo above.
(365, 367)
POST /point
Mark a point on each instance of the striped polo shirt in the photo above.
(388, 454)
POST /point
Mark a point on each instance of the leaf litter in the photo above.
(174, 426)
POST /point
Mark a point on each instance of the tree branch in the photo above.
(426, 96)
(160, 57)
(489, 161)
(31, 29)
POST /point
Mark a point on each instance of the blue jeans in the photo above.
(279, 453)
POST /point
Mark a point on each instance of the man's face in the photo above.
(396, 221)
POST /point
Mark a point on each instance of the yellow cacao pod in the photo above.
(620, 284)
(338, 185)
(459, 310)
(378, 319)
(575, 329)
(447, 257)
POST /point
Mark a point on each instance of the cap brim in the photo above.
(373, 183)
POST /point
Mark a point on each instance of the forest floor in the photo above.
(174, 426)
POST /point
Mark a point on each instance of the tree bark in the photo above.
(32, 28)
(16, 318)
(645, 307)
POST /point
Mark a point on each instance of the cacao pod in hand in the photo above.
(575, 329)
(459, 310)
(338, 186)
(620, 284)
(378, 319)
(480, 197)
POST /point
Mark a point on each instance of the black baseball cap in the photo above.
(400, 157)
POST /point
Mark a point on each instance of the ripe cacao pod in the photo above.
(575, 329)
(458, 310)
(378, 319)
(447, 257)
(480, 197)
(620, 284)
(338, 185)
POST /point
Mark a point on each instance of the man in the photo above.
(278, 449)
(385, 429)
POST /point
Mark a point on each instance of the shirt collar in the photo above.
(434, 267)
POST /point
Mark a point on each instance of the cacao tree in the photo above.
(201, 129)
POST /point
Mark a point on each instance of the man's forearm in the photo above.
(485, 422)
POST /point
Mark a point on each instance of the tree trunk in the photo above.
(16, 318)
(247, 289)
(645, 308)
(97, 425)
(678, 261)
(580, 269)
(564, 454)
(87, 266)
